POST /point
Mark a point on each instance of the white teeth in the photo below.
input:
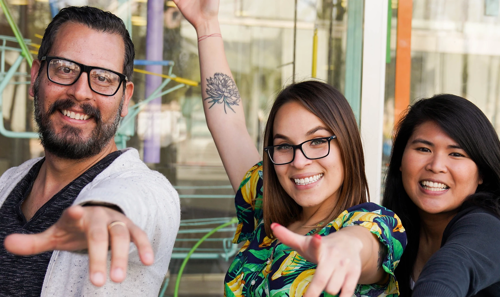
(308, 180)
(433, 186)
(76, 116)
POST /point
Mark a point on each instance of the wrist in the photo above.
(208, 28)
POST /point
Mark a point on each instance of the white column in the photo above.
(373, 88)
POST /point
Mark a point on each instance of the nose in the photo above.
(300, 160)
(80, 90)
(437, 163)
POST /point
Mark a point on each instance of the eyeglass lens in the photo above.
(100, 80)
(313, 149)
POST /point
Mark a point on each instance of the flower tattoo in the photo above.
(221, 89)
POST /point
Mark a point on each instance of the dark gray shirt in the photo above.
(24, 275)
(468, 262)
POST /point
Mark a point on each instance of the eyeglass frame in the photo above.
(299, 146)
(86, 69)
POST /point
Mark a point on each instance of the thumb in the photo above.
(28, 244)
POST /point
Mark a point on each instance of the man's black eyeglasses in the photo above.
(66, 72)
(312, 149)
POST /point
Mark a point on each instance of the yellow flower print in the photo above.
(245, 246)
(363, 217)
(399, 227)
(236, 285)
(237, 233)
(301, 283)
(267, 270)
(248, 189)
(373, 227)
(392, 288)
(286, 266)
(266, 242)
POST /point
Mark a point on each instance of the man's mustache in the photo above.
(88, 109)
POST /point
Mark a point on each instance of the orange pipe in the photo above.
(403, 59)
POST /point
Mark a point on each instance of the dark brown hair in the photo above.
(96, 19)
(331, 107)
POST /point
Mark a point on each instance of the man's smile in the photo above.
(75, 115)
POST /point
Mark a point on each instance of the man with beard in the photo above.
(59, 215)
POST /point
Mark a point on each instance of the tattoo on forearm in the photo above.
(221, 89)
(382, 253)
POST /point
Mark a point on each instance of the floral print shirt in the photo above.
(264, 267)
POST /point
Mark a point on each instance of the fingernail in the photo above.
(274, 225)
(317, 236)
(148, 257)
(98, 278)
(118, 274)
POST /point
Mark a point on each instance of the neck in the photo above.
(432, 227)
(56, 173)
(314, 215)
(63, 171)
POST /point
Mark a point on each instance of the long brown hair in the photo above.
(331, 107)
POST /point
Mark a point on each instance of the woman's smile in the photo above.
(437, 173)
(311, 183)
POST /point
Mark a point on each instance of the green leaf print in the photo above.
(260, 254)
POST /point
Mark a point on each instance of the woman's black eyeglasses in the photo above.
(312, 149)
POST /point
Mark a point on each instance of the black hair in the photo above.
(93, 18)
(466, 124)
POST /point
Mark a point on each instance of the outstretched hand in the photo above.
(93, 228)
(338, 258)
(198, 12)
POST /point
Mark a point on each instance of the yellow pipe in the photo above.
(315, 53)
(176, 79)
(39, 36)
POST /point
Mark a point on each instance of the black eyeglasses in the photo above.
(66, 72)
(312, 149)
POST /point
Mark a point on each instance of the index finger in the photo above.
(29, 244)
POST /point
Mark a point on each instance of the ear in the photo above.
(129, 91)
(480, 180)
(35, 68)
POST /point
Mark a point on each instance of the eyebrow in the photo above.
(423, 141)
(310, 132)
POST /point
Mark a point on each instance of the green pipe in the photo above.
(178, 280)
(25, 51)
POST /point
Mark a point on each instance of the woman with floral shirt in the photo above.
(304, 216)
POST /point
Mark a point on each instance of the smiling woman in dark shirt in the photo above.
(444, 183)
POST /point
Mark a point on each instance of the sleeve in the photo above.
(248, 202)
(148, 199)
(385, 225)
(467, 262)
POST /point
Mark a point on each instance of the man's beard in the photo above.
(69, 144)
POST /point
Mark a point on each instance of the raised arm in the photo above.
(221, 99)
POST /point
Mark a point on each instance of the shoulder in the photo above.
(13, 175)
(129, 167)
(473, 222)
(127, 178)
(253, 175)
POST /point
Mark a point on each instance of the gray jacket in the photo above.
(146, 197)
